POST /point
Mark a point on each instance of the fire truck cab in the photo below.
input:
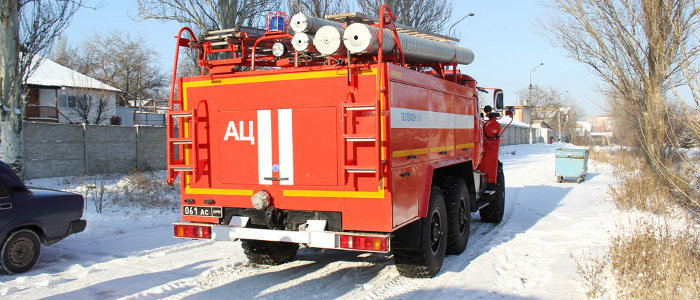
(377, 150)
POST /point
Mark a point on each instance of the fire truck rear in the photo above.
(353, 133)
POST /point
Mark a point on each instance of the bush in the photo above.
(650, 261)
(147, 189)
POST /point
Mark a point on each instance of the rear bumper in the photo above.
(312, 234)
(77, 226)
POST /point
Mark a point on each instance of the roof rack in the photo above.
(400, 28)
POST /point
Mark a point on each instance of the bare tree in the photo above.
(205, 15)
(92, 106)
(429, 15)
(643, 50)
(29, 28)
(318, 8)
(119, 60)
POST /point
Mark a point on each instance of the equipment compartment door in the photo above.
(244, 139)
(286, 146)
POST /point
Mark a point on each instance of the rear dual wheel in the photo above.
(459, 217)
(426, 261)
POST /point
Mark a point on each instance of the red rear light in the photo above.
(193, 231)
(360, 242)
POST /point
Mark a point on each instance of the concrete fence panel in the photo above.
(56, 150)
(110, 149)
(53, 150)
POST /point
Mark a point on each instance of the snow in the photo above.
(128, 251)
(50, 73)
(506, 119)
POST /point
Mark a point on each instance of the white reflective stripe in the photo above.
(264, 146)
(464, 122)
(413, 118)
(286, 141)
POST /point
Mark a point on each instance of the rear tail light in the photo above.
(193, 231)
(366, 243)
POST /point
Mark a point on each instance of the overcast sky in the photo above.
(502, 35)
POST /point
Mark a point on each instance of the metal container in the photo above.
(328, 40)
(303, 42)
(571, 162)
(302, 23)
(364, 39)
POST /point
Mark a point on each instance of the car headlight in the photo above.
(279, 49)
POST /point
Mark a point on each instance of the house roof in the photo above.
(50, 73)
(505, 120)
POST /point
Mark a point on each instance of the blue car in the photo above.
(30, 217)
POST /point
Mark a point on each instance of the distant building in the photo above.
(149, 105)
(54, 94)
(522, 113)
(601, 129)
(602, 123)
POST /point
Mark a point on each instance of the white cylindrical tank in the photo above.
(302, 23)
(328, 40)
(363, 39)
(303, 42)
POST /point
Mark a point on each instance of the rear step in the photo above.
(181, 168)
(359, 107)
(355, 169)
(352, 138)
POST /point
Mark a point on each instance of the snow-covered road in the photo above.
(530, 254)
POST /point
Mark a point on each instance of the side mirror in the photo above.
(498, 99)
(510, 111)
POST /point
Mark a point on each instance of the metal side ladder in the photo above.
(349, 109)
(186, 140)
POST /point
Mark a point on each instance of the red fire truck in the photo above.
(376, 145)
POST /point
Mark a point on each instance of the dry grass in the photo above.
(649, 261)
(638, 187)
(636, 190)
(146, 189)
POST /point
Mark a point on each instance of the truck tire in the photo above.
(426, 261)
(493, 213)
(458, 214)
(269, 253)
(19, 252)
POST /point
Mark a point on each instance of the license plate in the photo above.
(202, 211)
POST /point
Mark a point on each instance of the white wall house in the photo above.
(60, 95)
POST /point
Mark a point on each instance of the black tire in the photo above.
(426, 261)
(19, 252)
(458, 214)
(269, 253)
(493, 213)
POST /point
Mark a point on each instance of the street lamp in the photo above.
(533, 70)
(529, 99)
(460, 20)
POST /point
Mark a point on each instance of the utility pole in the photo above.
(530, 100)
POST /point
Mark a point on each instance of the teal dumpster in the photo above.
(571, 162)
